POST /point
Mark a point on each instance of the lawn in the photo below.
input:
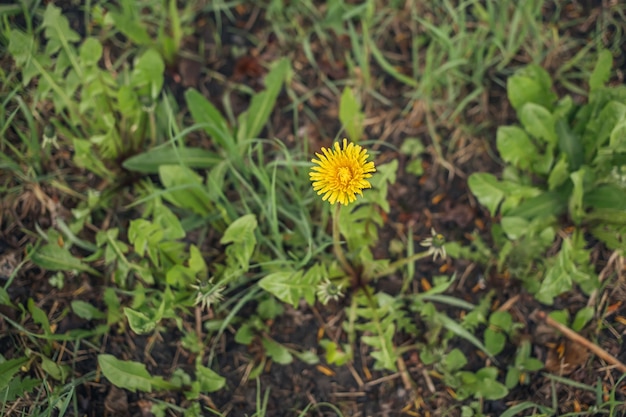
(299, 208)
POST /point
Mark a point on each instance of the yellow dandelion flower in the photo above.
(342, 173)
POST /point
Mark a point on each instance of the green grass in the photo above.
(194, 215)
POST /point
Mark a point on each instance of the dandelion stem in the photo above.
(400, 263)
(337, 243)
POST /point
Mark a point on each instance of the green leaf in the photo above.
(560, 316)
(55, 258)
(291, 286)
(39, 316)
(570, 144)
(384, 351)
(277, 352)
(454, 360)
(576, 209)
(544, 205)
(58, 31)
(458, 330)
(252, 121)
(617, 141)
(240, 230)
(8, 369)
(86, 311)
(210, 381)
(350, 115)
(5, 300)
(54, 370)
(148, 73)
(18, 387)
(538, 121)
(127, 22)
(494, 341)
(515, 146)
(185, 189)
(139, 322)
(212, 121)
(150, 161)
(602, 71)
(502, 320)
(514, 227)
(128, 375)
(583, 316)
(90, 51)
(240, 235)
(559, 173)
(557, 281)
(487, 190)
(488, 387)
(531, 84)
(245, 334)
(610, 196)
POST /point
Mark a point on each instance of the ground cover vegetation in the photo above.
(342, 208)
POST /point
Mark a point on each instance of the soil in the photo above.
(439, 199)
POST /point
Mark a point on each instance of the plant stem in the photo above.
(337, 243)
(400, 263)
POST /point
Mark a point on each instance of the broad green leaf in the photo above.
(212, 121)
(130, 25)
(487, 190)
(531, 84)
(210, 381)
(494, 341)
(240, 235)
(150, 161)
(54, 370)
(252, 121)
(139, 322)
(602, 70)
(245, 334)
(502, 320)
(8, 369)
(128, 375)
(90, 51)
(55, 258)
(617, 140)
(291, 286)
(148, 73)
(570, 144)
(454, 360)
(557, 281)
(86, 311)
(583, 316)
(514, 227)
(58, 31)
(488, 387)
(547, 204)
(240, 230)
(516, 147)
(538, 121)
(277, 352)
(609, 196)
(350, 115)
(559, 173)
(184, 189)
(22, 47)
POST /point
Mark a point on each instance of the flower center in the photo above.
(344, 176)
